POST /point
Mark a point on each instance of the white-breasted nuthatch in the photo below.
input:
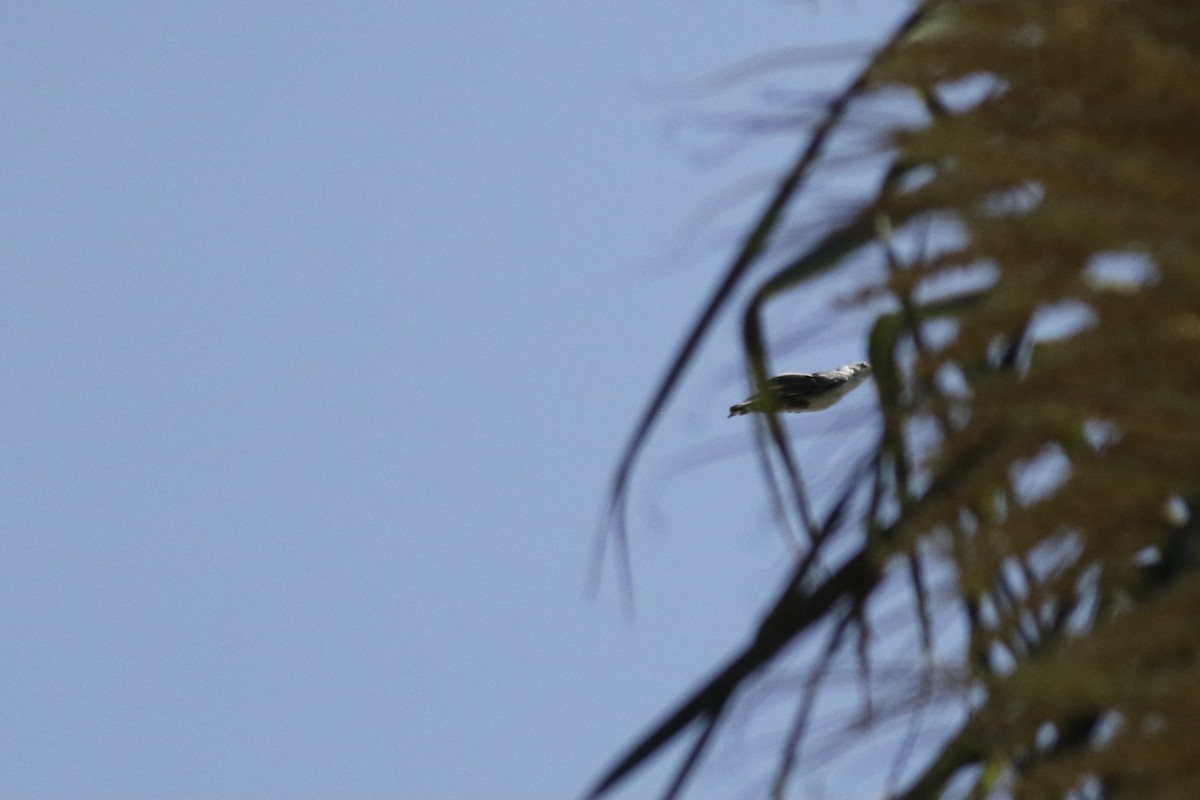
(803, 391)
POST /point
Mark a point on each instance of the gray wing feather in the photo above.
(800, 385)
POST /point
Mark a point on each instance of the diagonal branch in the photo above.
(752, 248)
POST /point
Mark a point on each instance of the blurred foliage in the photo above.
(1054, 476)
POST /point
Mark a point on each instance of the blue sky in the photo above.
(323, 327)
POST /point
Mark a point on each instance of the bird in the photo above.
(804, 391)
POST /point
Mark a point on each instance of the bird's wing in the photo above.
(800, 385)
